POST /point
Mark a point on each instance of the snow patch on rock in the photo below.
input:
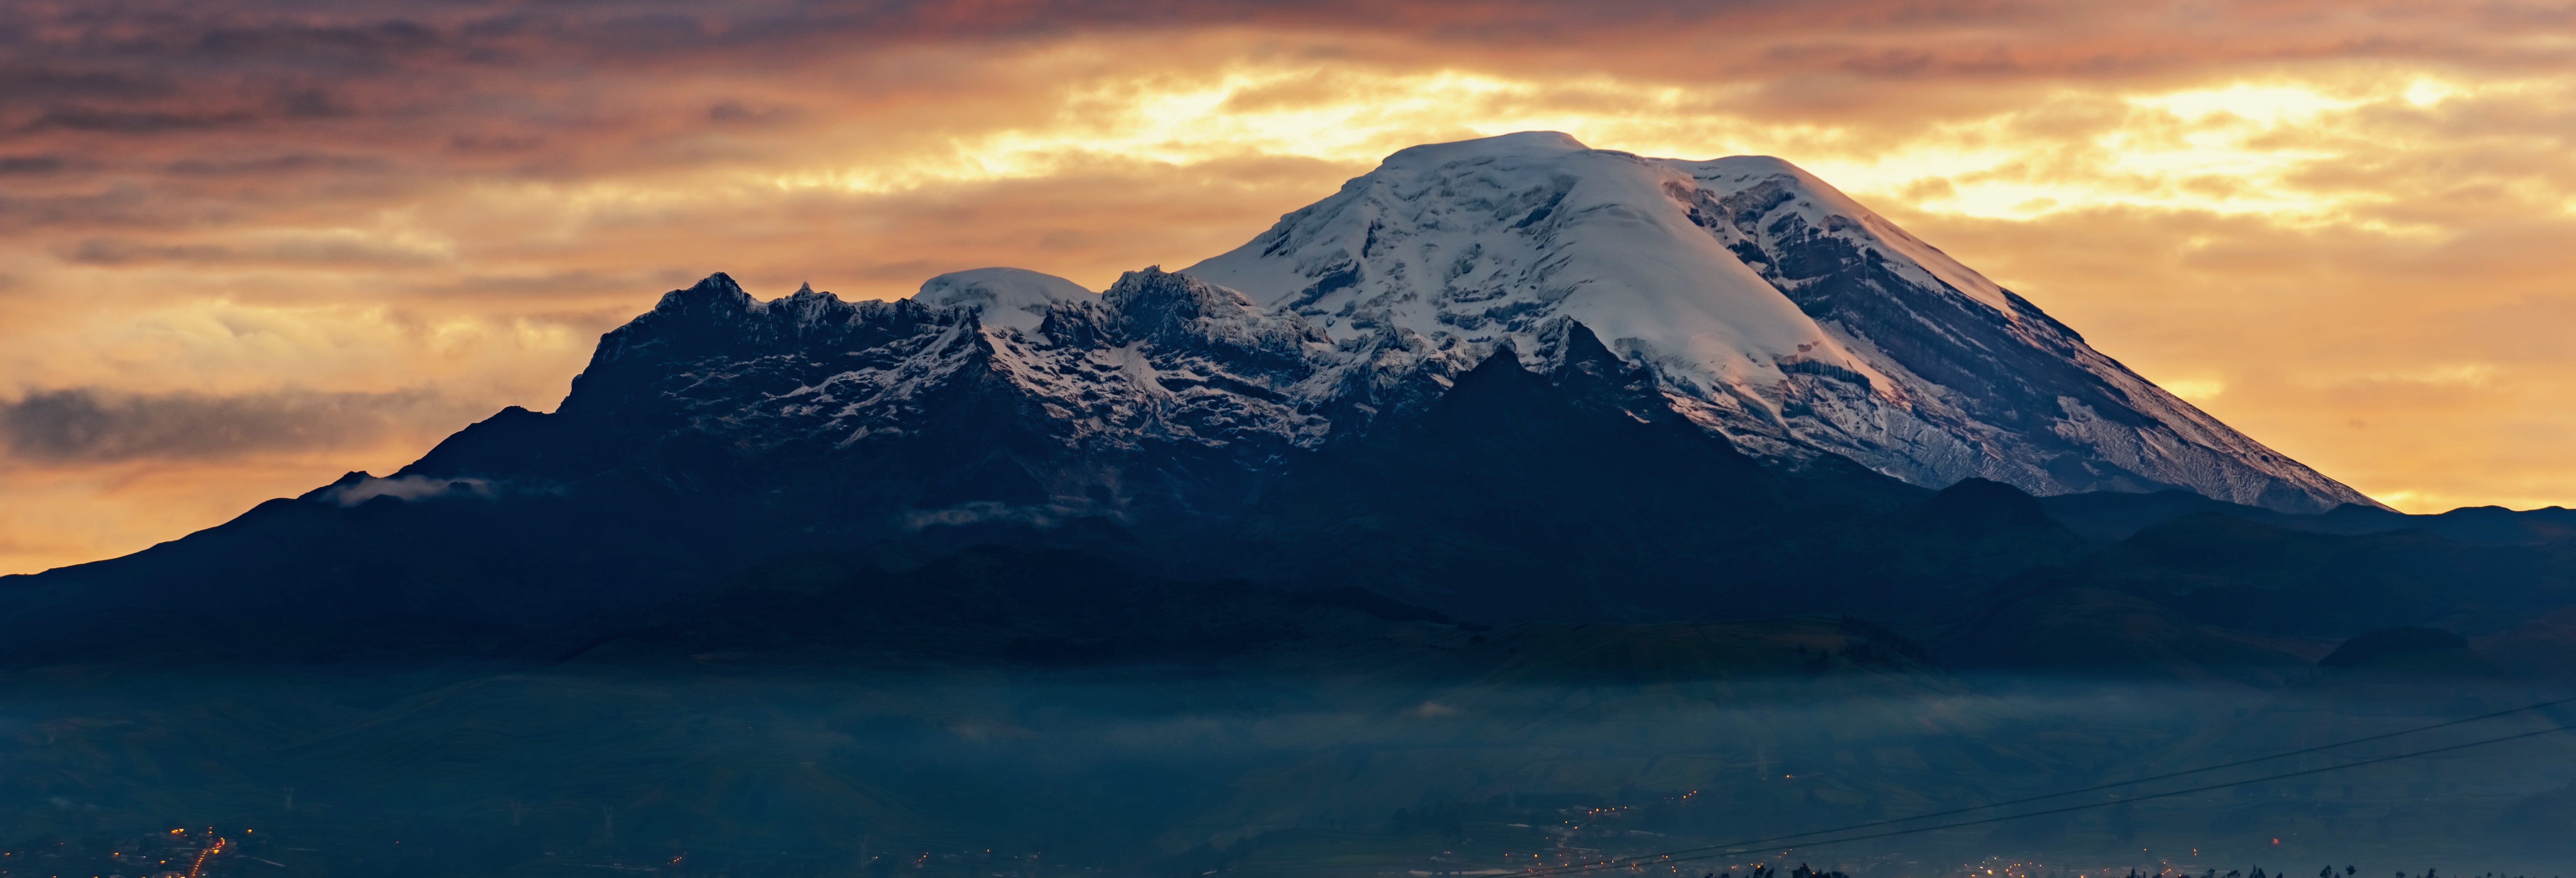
(1016, 298)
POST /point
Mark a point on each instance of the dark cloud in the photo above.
(114, 121)
(495, 143)
(121, 251)
(159, 45)
(560, 283)
(578, 80)
(734, 112)
(38, 82)
(368, 43)
(120, 205)
(311, 103)
(305, 251)
(31, 164)
(79, 425)
(273, 165)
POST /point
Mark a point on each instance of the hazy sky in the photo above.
(245, 247)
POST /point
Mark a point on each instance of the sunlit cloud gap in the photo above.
(2230, 150)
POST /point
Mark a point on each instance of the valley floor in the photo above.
(1534, 747)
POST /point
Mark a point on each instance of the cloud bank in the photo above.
(87, 425)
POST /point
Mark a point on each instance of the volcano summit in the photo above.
(1771, 308)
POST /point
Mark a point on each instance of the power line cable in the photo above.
(1731, 849)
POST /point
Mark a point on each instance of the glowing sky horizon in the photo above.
(253, 245)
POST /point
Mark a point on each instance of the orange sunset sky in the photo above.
(246, 246)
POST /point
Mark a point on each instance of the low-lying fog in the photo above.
(746, 770)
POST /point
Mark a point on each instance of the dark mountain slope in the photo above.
(1574, 494)
(2047, 624)
(2215, 598)
(996, 606)
(2228, 571)
(298, 577)
(2544, 647)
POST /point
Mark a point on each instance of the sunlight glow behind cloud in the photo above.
(2229, 149)
(2342, 234)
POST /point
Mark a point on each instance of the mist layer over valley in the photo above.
(1416, 746)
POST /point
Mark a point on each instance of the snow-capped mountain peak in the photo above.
(1773, 308)
(1486, 240)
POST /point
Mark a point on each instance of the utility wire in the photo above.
(1730, 849)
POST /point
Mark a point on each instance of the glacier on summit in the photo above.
(1772, 308)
